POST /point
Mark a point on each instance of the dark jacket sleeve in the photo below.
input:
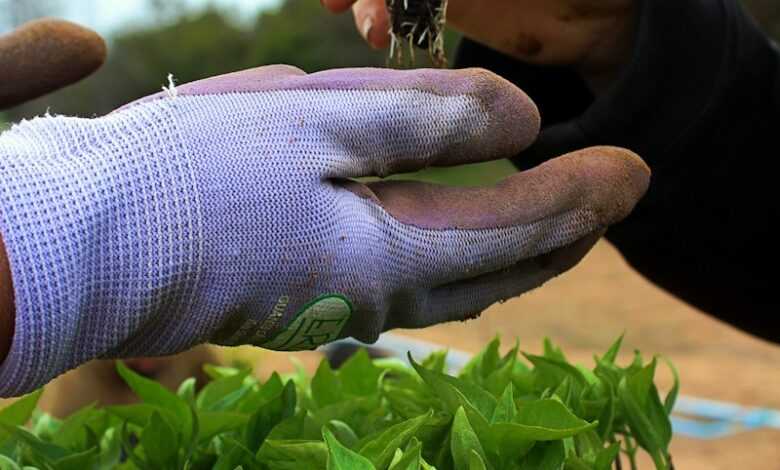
(700, 102)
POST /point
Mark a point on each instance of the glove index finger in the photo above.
(44, 55)
(411, 119)
(384, 121)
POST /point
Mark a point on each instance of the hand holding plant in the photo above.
(596, 36)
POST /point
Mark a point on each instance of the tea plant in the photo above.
(500, 412)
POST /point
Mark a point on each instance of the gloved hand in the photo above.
(224, 211)
(44, 55)
(35, 59)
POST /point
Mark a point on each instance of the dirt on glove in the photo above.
(44, 55)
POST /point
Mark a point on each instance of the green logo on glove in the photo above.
(320, 321)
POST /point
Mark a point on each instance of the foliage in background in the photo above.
(501, 412)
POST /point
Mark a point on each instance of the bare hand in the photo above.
(593, 35)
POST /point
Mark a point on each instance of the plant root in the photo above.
(417, 24)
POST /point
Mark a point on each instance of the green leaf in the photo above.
(645, 414)
(343, 433)
(79, 460)
(483, 363)
(591, 378)
(19, 412)
(549, 419)
(408, 459)
(497, 380)
(186, 390)
(8, 464)
(606, 457)
(643, 390)
(216, 390)
(498, 414)
(268, 391)
(379, 448)
(290, 428)
(463, 441)
(553, 352)
(304, 454)
(407, 402)
(153, 393)
(213, 423)
(160, 442)
(606, 417)
(234, 455)
(436, 361)
(453, 391)
(341, 458)
(509, 448)
(220, 372)
(484, 430)
(353, 412)
(523, 379)
(110, 449)
(425, 465)
(129, 442)
(475, 461)
(545, 456)
(671, 397)
(359, 375)
(611, 355)
(326, 387)
(72, 433)
(44, 425)
(393, 364)
(587, 445)
(269, 415)
(506, 410)
(565, 391)
(550, 372)
(139, 414)
(576, 463)
(47, 451)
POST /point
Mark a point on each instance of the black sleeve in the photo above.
(700, 102)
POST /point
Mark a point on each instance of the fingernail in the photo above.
(368, 23)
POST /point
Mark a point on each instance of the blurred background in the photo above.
(583, 311)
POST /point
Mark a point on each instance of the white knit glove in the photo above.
(222, 211)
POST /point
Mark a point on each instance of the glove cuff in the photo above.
(102, 228)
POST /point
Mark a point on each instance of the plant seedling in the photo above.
(502, 411)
